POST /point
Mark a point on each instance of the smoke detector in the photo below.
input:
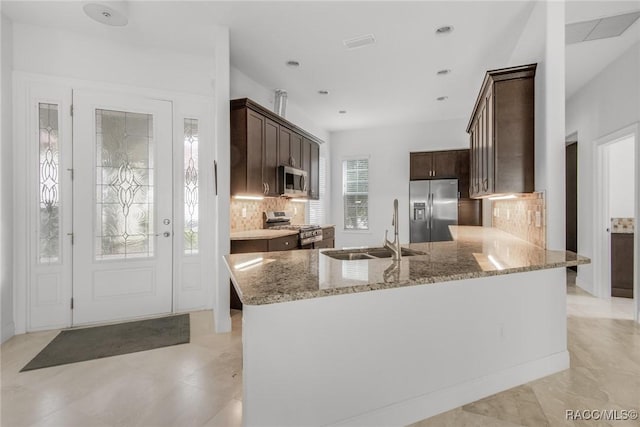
(360, 41)
(113, 13)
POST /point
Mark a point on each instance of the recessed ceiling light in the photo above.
(108, 15)
(445, 29)
(323, 92)
(293, 64)
(342, 112)
(442, 98)
(443, 72)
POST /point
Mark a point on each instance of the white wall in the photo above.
(6, 171)
(609, 102)
(62, 53)
(621, 179)
(242, 86)
(388, 151)
(542, 42)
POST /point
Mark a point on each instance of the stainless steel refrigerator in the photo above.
(433, 207)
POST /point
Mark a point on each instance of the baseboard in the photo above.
(8, 331)
(428, 405)
(584, 286)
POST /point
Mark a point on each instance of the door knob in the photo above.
(166, 234)
(166, 221)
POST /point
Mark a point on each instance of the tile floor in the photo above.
(200, 383)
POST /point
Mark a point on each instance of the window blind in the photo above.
(355, 193)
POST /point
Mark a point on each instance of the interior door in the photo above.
(122, 214)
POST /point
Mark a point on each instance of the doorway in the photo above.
(115, 202)
(122, 209)
(615, 204)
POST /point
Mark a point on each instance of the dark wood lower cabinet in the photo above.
(622, 265)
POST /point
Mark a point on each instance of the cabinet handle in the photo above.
(286, 243)
(268, 188)
(485, 184)
(434, 173)
(264, 188)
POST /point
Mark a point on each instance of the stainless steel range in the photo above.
(280, 220)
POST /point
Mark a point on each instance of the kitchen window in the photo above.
(355, 194)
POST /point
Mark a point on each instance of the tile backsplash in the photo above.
(254, 209)
(524, 218)
(622, 225)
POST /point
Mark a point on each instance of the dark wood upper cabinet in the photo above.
(421, 165)
(501, 132)
(284, 147)
(444, 164)
(314, 172)
(247, 136)
(296, 151)
(260, 142)
(270, 157)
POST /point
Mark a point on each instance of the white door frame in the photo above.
(602, 251)
(194, 287)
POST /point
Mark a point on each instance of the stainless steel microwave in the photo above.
(292, 182)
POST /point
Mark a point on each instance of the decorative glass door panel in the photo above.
(124, 185)
(123, 207)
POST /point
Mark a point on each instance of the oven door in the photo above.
(293, 182)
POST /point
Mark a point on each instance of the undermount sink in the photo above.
(369, 253)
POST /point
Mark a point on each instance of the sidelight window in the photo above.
(49, 194)
(191, 139)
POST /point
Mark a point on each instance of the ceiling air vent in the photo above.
(360, 41)
(611, 26)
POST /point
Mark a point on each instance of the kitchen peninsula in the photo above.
(375, 341)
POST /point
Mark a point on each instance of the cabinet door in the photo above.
(421, 166)
(462, 172)
(306, 155)
(270, 157)
(284, 147)
(296, 150)
(444, 164)
(255, 141)
(314, 172)
(489, 142)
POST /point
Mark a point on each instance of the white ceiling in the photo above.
(586, 59)
(391, 82)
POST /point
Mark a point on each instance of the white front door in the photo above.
(122, 209)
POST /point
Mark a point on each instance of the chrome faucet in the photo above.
(394, 246)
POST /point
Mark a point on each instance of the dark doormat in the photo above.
(78, 345)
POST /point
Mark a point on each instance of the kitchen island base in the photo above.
(396, 356)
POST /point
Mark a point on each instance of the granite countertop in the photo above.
(260, 234)
(273, 277)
